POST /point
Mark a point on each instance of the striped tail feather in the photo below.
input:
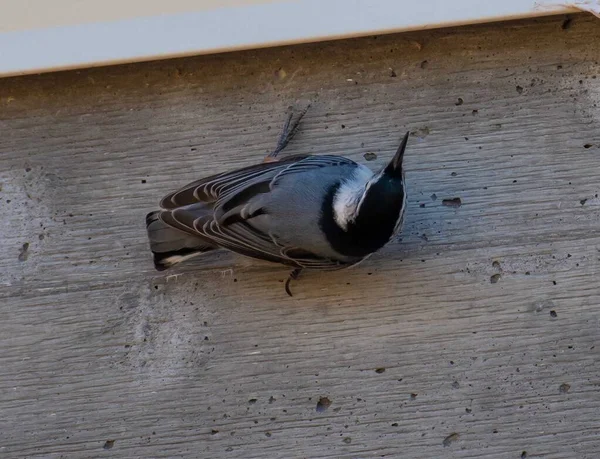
(171, 246)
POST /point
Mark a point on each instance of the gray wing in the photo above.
(210, 189)
(220, 209)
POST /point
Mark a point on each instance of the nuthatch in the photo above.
(320, 212)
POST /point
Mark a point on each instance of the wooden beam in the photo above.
(474, 336)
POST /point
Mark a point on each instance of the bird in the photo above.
(317, 212)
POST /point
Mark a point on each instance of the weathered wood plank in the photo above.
(474, 323)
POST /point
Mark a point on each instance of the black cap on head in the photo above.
(394, 168)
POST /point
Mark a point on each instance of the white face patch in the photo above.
(348, 196)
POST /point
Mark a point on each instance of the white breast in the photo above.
(348, 196)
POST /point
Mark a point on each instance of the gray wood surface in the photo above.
(476, 335)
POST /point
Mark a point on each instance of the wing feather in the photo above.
(213, 188)
(243, 238)
(209, 189)
(228, 195)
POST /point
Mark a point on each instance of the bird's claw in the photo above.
(287, 133)
(293, 276)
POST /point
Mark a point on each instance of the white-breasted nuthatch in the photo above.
(320, 212)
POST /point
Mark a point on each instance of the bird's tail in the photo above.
(170, 245)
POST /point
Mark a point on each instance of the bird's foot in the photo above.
(293, 276)
(287, 133)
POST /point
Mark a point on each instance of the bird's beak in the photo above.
(395, 166)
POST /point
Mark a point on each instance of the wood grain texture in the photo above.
(474, 336)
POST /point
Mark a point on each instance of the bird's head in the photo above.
(369, 209)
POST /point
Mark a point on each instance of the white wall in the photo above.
(46, 35)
